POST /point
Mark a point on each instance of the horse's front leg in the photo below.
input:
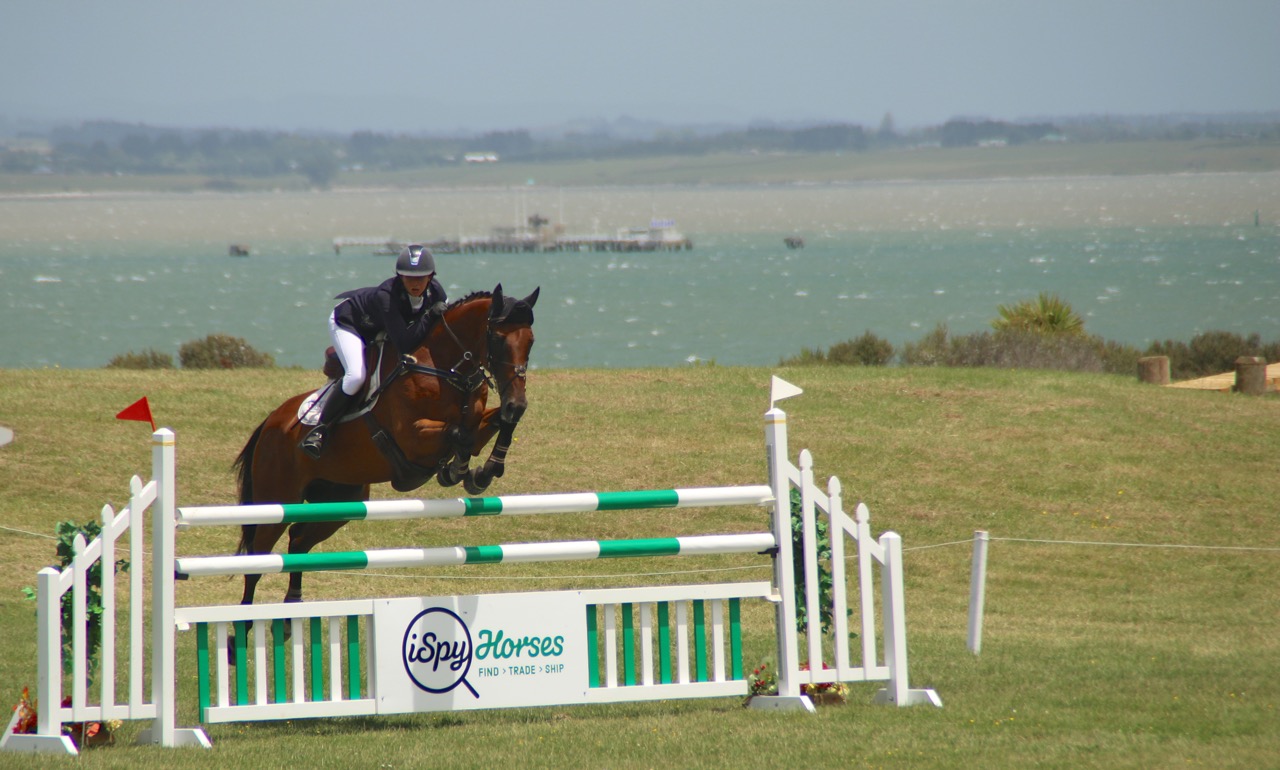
(455, 458)
(443, 446)
(480, 479)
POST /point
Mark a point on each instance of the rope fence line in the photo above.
(1103, 543)
(1140, 545)
(25, 532)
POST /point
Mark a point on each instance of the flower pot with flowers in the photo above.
(825, 693)
(764, 682)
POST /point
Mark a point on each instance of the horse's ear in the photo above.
(532, 298)
(498, 303)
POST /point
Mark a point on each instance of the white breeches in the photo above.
(350, 349)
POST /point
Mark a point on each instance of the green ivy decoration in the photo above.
(67, 531)
(825, 580)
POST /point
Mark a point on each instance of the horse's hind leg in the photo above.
(261, 540)
(304, 536)
(254, 539)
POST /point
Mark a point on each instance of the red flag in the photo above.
(138, 410)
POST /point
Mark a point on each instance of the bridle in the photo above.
(465, 381)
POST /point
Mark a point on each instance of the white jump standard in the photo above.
(450, 653)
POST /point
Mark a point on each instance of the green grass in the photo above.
(1093, 655)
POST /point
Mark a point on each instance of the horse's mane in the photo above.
(514, 310)
(472, 296)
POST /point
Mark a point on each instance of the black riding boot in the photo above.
(335, 406)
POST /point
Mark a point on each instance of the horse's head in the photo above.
(510, 339)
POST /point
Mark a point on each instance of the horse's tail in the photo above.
(243, 467)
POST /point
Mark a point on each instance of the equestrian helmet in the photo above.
(415, 261)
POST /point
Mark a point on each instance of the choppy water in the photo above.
(85, 278)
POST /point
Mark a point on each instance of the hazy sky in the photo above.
(394, 65)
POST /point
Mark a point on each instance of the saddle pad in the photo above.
(309, 409)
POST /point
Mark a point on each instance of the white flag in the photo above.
(780, 389)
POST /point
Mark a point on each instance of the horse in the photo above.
(422, 420)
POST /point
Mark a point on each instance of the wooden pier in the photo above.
(512, 240)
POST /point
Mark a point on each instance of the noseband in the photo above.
(465, 382)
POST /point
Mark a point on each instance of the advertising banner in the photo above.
(450, 653)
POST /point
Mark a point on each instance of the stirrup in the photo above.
(313, 442)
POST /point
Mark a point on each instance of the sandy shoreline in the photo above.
(1211, 199)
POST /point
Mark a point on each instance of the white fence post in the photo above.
(977, 590)
(163, 651)
(48, 736)
(788, 697)
(894, 609)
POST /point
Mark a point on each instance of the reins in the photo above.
(463, 382)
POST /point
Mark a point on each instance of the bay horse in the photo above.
(429, 416)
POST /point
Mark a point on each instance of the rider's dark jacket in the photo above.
(386, 307)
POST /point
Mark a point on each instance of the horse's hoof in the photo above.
(474, 484)
(446, 478)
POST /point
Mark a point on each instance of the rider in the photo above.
(402, 306)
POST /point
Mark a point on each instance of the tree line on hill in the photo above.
(106, 147)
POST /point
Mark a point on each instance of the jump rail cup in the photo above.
(710, 613)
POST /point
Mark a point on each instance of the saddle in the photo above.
(406, 475)
(309, 411)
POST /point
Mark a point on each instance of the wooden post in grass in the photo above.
(1251, 375)
(1154, 369)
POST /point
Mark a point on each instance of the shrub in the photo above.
(931, 350)
(147, 359)
(221, 351)
(1007, 349)
(1211, 352)
(807, 357)
(867, 350)
(1046, 314)
(1117, 358)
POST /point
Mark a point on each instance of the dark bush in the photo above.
(807, 357)
(867, 350)
(931, 350)
(1006, 349)
(147, 359)
(1117, 358)
(222, 351)
(1211, 352)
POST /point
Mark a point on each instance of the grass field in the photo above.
(936, 163)
(1096, 652)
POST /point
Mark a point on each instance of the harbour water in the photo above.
(85, 278)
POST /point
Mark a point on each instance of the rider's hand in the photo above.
(436, 310)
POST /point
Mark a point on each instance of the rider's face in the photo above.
(416, 285)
